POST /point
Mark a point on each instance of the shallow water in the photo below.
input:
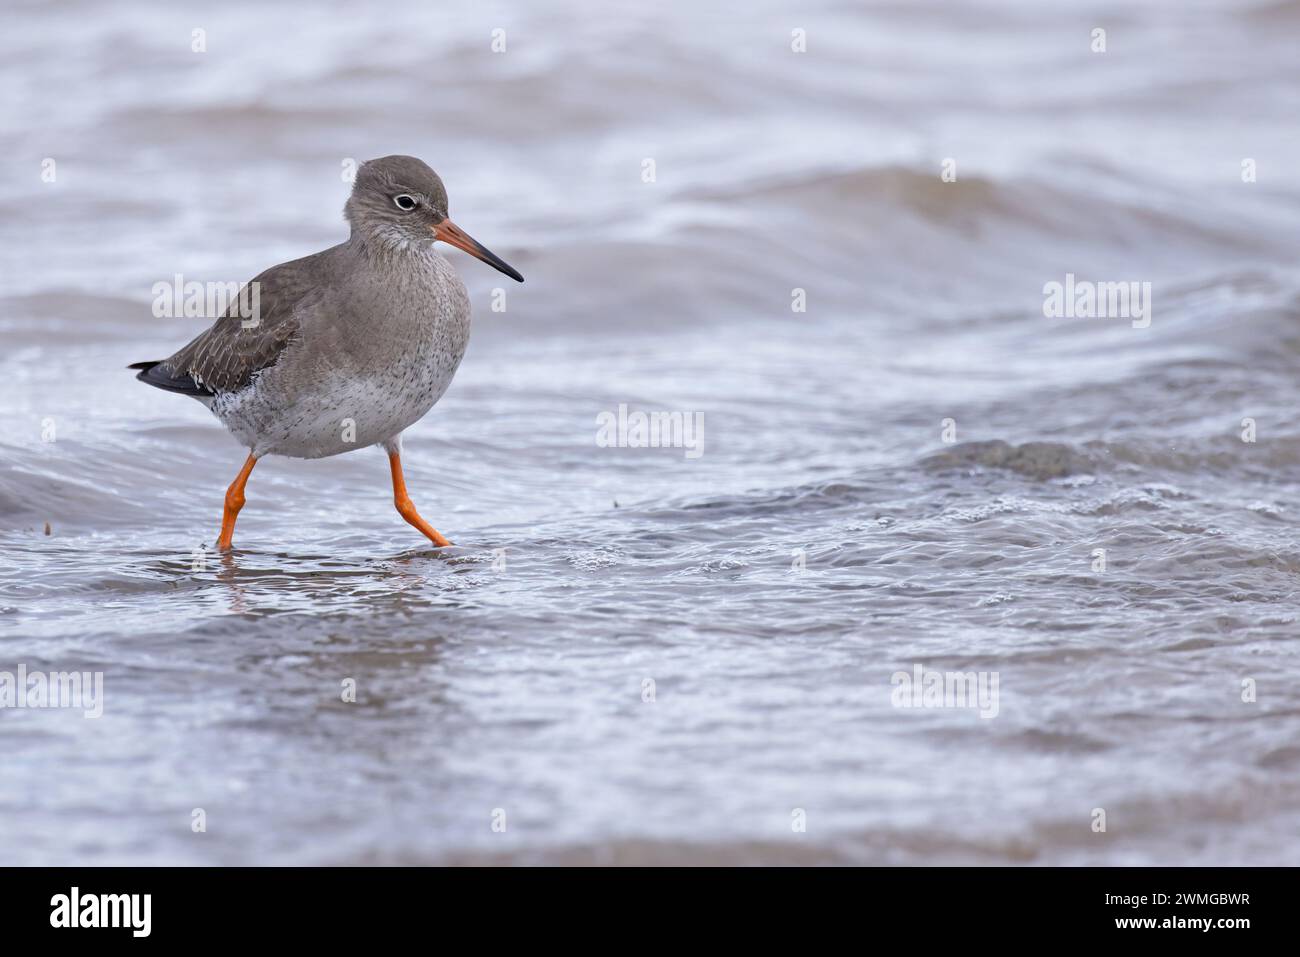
(826, 537)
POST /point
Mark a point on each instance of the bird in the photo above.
(343, 349)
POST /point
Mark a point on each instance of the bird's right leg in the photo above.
(405, 507)
(234, 502)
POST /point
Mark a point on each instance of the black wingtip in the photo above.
(183, 384)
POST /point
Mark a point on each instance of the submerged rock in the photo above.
(1036, 460)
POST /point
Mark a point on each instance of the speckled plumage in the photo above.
(365, 359)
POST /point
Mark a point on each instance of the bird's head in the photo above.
(398, 201)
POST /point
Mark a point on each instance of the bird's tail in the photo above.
(156, 375)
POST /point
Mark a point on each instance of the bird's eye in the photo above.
(405, 202)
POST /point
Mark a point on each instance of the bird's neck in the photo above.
(391, 249)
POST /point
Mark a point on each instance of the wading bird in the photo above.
(345, 348)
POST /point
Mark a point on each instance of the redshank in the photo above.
(347, 347)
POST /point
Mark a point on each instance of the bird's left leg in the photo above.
(234, 502)
(405, 507)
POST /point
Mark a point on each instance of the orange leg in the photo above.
(234, 502)
(406, 508)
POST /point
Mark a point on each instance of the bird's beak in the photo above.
(453, 235)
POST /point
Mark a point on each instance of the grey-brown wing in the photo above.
(250, 337)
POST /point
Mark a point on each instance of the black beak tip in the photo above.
(499, 264)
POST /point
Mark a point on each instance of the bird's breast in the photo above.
(412, 316)
(420, 330)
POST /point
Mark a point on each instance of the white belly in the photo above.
(341, 409)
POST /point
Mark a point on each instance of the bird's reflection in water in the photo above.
(407, 580)
(228, 576)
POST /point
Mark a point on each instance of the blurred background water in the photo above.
(827, 537)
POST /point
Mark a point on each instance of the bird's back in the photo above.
(251, 336)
